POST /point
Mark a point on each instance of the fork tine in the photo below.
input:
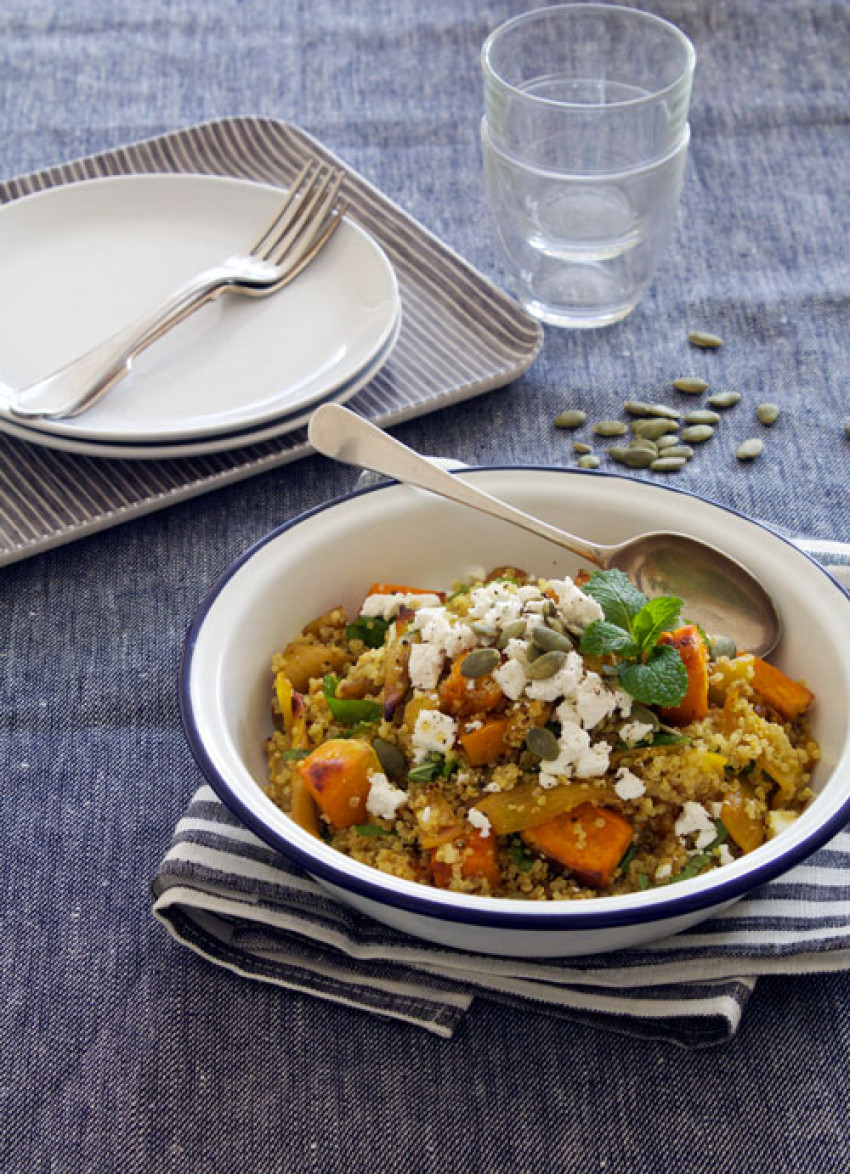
(315, 212)
(285, 213)
(310, 246)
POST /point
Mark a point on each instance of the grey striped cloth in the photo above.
(224, 893)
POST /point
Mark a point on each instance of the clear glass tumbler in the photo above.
(585, 139)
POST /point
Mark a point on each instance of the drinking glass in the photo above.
(584, 139)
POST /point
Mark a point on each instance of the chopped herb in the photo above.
(665, 737)
(697, 863)
(370, 829)
(291, 755)
(521, 855)
(643, 881)
(463, 589)
(628, 857)
(449, 766)
(348, 712)
(428, 769)
(652, 673)
(371, 630)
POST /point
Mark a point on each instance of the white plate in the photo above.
(83, 260)
(189, 448)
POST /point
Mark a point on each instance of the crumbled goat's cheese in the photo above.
(433, 732)
(425, 665)
(384, 799)
(634, 732)
(436, 628)
(387, 606)
(695, 820)
(479, 820)
(628, 785)
(511, 679)
(778, 821)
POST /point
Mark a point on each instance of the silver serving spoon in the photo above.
(719, 593)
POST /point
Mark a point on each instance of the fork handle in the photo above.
(82, 382)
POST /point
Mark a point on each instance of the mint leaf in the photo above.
(602, 637)
(348, 712)
(662, 680)
(372, 630)
(656, 616)
(618, 597)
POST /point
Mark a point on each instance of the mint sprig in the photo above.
(652, 673)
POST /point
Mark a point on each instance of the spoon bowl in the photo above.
(719, 593)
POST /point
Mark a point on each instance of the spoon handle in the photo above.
(339, 433)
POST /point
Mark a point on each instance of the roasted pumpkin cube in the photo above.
(478, 857)
(590, 841)
(484, 741)
(465, 696)
(691, 647)
(337, 776)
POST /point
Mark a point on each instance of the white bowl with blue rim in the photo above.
(391, 533)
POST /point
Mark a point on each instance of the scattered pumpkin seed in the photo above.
(678, 450)
(724, 399)
(662, 411)
(690, 384)
(704, 340)
(643, 714)
(392, 759)
(570, 418)
(642, 442)
(515, 630)
(532, 652)
(723, 646)
(635, 458)
(479, 663)
(768, 413)
(847, 427)
(543, 743)
(546, 665)
(610, 428)
(668, 441)
(637, 407)
(588, 461)
(702, 416)
(652, 429)
(558, 625)
(581, 448)
(696, 433)
(750, 449)
(548, 640)
(667, 464)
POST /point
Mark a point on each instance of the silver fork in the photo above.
(302, 226)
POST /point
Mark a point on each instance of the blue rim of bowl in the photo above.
(659, 907)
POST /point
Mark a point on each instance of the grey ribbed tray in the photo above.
(460, 336)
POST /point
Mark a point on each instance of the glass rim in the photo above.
(679, 147)
(557, 104)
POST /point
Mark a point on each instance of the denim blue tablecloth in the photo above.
(122, 1051)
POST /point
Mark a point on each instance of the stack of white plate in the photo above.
(82, 261)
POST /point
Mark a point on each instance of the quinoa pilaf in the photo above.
(547, 739)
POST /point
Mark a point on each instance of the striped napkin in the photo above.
(227, 895)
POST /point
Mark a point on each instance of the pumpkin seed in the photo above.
(543, 743)
(557, 625)
(635, 458)
(515, 630)
(532, 652)
(724, 399)
(588, 462)
(667, 464)
(750, 449)
(847, 427)
(581, 448)
(549, 608)
(702, 416)
(485, 630)
(690, 384)
(704, 340)
(661, 411)
(548, 640)
(643, 714)
(392, 759)
(678, 450)
(570, 418)
(638, 407)
(768, 413)
(546, 665)
(642, 442)
(671, 440)
(652, 429)
(696, 433)
(479, 663)
(723, 646)
(610, 428)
